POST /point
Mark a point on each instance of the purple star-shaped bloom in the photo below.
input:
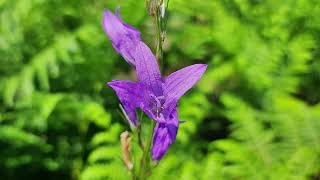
(155, 95)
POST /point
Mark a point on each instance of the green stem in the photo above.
(160, 37)
(139, 134)
(145, 167)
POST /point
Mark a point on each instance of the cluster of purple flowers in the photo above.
(154, 95)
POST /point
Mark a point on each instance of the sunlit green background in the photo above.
(254, 115)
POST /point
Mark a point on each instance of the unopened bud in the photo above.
(125, 146)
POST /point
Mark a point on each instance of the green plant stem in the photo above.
(142, 145)
(145, 166)
(160, 38)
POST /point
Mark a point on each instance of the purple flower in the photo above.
(155, 95)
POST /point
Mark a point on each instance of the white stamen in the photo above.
(157, 104)
(161, 118)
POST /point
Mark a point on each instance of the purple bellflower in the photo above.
(154, 95)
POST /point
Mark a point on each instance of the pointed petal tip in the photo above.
(198, 66)
(204, 66)
(109, 83)
(111, 19)
(112, 83)
(106, 13)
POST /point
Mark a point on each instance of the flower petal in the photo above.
(123, 36)
(179, 82)
(131, 97)
(164, 135)
(148, 71)
(169, 107)
(130, 29)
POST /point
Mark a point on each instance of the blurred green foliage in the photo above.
(254, 115)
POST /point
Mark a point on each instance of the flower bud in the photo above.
(125, 146)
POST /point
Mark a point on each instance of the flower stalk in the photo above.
(160, 30)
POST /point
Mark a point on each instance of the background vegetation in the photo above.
(254, 115)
